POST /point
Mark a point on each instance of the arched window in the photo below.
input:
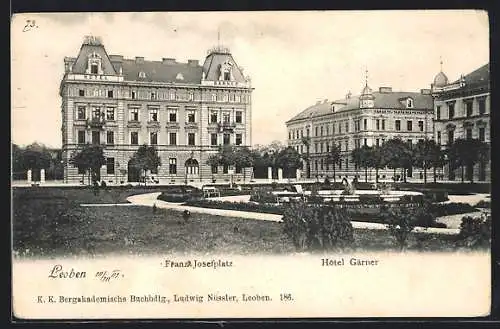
(192, 167)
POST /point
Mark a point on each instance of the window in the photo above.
(213, 139)
(110, 166)
(315, 147)
(438, 112)
(80, 113)
(225, 169)
(134, 138)
(110, 93)
(81, 136)
(316, 165)
(346, 126)
(383, 124)
(421, 125)
(377, 124)
(142, 74)
(96, 137)
(439, 138)
(191, 96)
(377, 142)
(238, 169)
(238, 98)
(450, 137)
(468, 133)
(134, 114)
(93, 69)
(333, 129)
(239, 117)
(482, 106)
(226, 117)
(172, 138)
(316, 131)
(327, 130)
(110, 137)
(96, 113)
(172, 115)
(191, 115)
(153, 95)
(451, 110)
(110, 114)
(172, 95)
(340, 128)
(321, 131)
(365, 124)
(307, 132)
(321, 147)
(81, 92)
(481, 134)
(153, 138)
(365, 142)
(346, 145)
(214, 97)
(327, 147)
(172, 166)
(321, 164)
(226, 139)
(398, 124)
(409, 103)
(213, 117)
(239, 139)
(153, 115)
(133, 94)
(409, 125)
(214, 169)
(301, 149)
(191, 139)
(468, 108)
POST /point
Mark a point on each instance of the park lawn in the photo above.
(50, 224)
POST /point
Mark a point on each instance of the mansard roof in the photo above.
(215, 59)
(384, 100)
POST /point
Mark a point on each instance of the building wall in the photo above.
(202, 99)
(340, 128)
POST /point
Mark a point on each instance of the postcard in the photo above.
(229, 165)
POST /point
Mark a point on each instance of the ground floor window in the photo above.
(238, 170)
(192, 167)
(110, 166)
(225, 169)
(172, 166)
(214, 169)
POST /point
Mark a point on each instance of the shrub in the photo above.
(317, 228)
(241, 206)
(263, 196)
(475, 232)
(370, 199)
(483, 204)
(180, 194)
(452, 208)
(401, 221)
(326, 182)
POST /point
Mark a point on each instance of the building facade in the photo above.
(185, 110)
(369, 119)
(462, 110)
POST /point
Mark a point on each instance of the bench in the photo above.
(210, 192)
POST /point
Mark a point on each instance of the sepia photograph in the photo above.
(236, 164)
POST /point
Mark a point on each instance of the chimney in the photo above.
(318, 102)
(425, 91)
(168, 60)
(385, 89)
(116, 58)
(348, 95)
(193, 62)
(139, 59)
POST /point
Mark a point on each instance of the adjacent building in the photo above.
(462, 110)
(369, 119)
(186, 110)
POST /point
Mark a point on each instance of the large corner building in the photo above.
(186, 110)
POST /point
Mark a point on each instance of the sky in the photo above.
(293, 58)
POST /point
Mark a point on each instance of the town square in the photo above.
(234, 135)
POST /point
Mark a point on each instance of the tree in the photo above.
(333, 157)
(466, 153)
(288, 159)
(146, 158)
(306, 141)
(375, 160)
(396, 154)
(426, 155)
(243, 158)
(361, 157)
(88, 158)
(228, 155)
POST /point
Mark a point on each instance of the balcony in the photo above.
(95, 123)
(226, 126)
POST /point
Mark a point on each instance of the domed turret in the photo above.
(366, 90)
(440, 80)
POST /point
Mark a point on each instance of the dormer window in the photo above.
(409, 103)
(226, 71)
(142, 75)
(94, 65)
(179, 76)
(94, 68)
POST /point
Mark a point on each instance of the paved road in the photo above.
(150, 199)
